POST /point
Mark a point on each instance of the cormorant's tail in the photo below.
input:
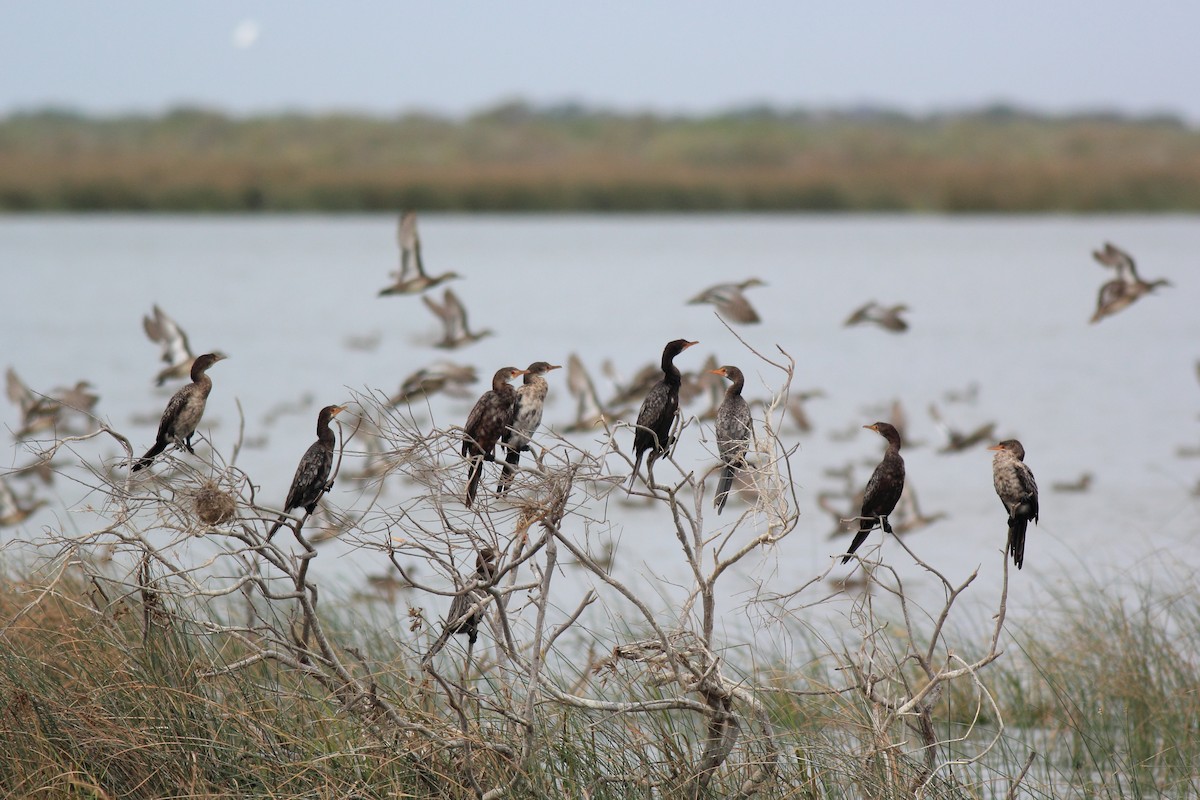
(274, 528)
(146, 460)
(1016, 539)
(723, 487)
(506, 475)
(859, 538)
(637, 465)
(473, 481)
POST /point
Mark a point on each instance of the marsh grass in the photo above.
(517, 158)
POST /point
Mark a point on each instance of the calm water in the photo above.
(1000, 302)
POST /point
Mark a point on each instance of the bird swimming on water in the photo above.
(489, 419)
(311, 480)
(411, 278)
(527, 415)
(176, 352)
(883, 489)
(733, 432)
(184, 411)
(1018, 491)
(730, 300)
(1122, 291)
(658, 410)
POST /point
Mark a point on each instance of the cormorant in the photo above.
(886, 317)
(1018, 491)
(166, 333)
(311, 480)
(658, 410)
(733, 431)
(411, 277)
(458, 620)
(487, 422)
(527, 415)
(883, 489)
(453, 315)
(730, 301)
(1119, 293)
(183, 413)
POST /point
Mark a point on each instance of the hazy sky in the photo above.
(455, 57)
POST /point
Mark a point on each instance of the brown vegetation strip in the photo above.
(515, 159)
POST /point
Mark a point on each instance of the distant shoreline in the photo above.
(516, 158)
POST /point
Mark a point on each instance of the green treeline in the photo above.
(515, 157)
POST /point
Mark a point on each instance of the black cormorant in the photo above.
(311, 480)
(883, 489)
(184, 410)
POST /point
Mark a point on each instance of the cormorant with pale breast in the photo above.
(311, 480)
(184, 411)
(733, 431)
(527, 415)
(883, 489)
(658, 410)
(1018, 491)
(487, 422)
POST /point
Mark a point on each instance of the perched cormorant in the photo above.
(1119, 293)
(411, 277)
(733, 431)
(453, 315)
(311, 480)
(487, 422)
(1018, 491)
(184, 410)
(527, 415)
(166, 333)
(458, 620)
(730, 301)
(886, 317)
(658, 410)
(883, 489)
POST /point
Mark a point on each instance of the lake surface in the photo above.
(1002, 303)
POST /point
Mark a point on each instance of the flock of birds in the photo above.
(508, 417)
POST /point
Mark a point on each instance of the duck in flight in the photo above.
(1120, 293)
(411, 278)
(730, 300)
(453, 314)
(176, 352)
(886, 317)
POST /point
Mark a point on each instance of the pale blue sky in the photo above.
(455, 57)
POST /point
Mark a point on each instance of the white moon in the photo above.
(245, 34)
